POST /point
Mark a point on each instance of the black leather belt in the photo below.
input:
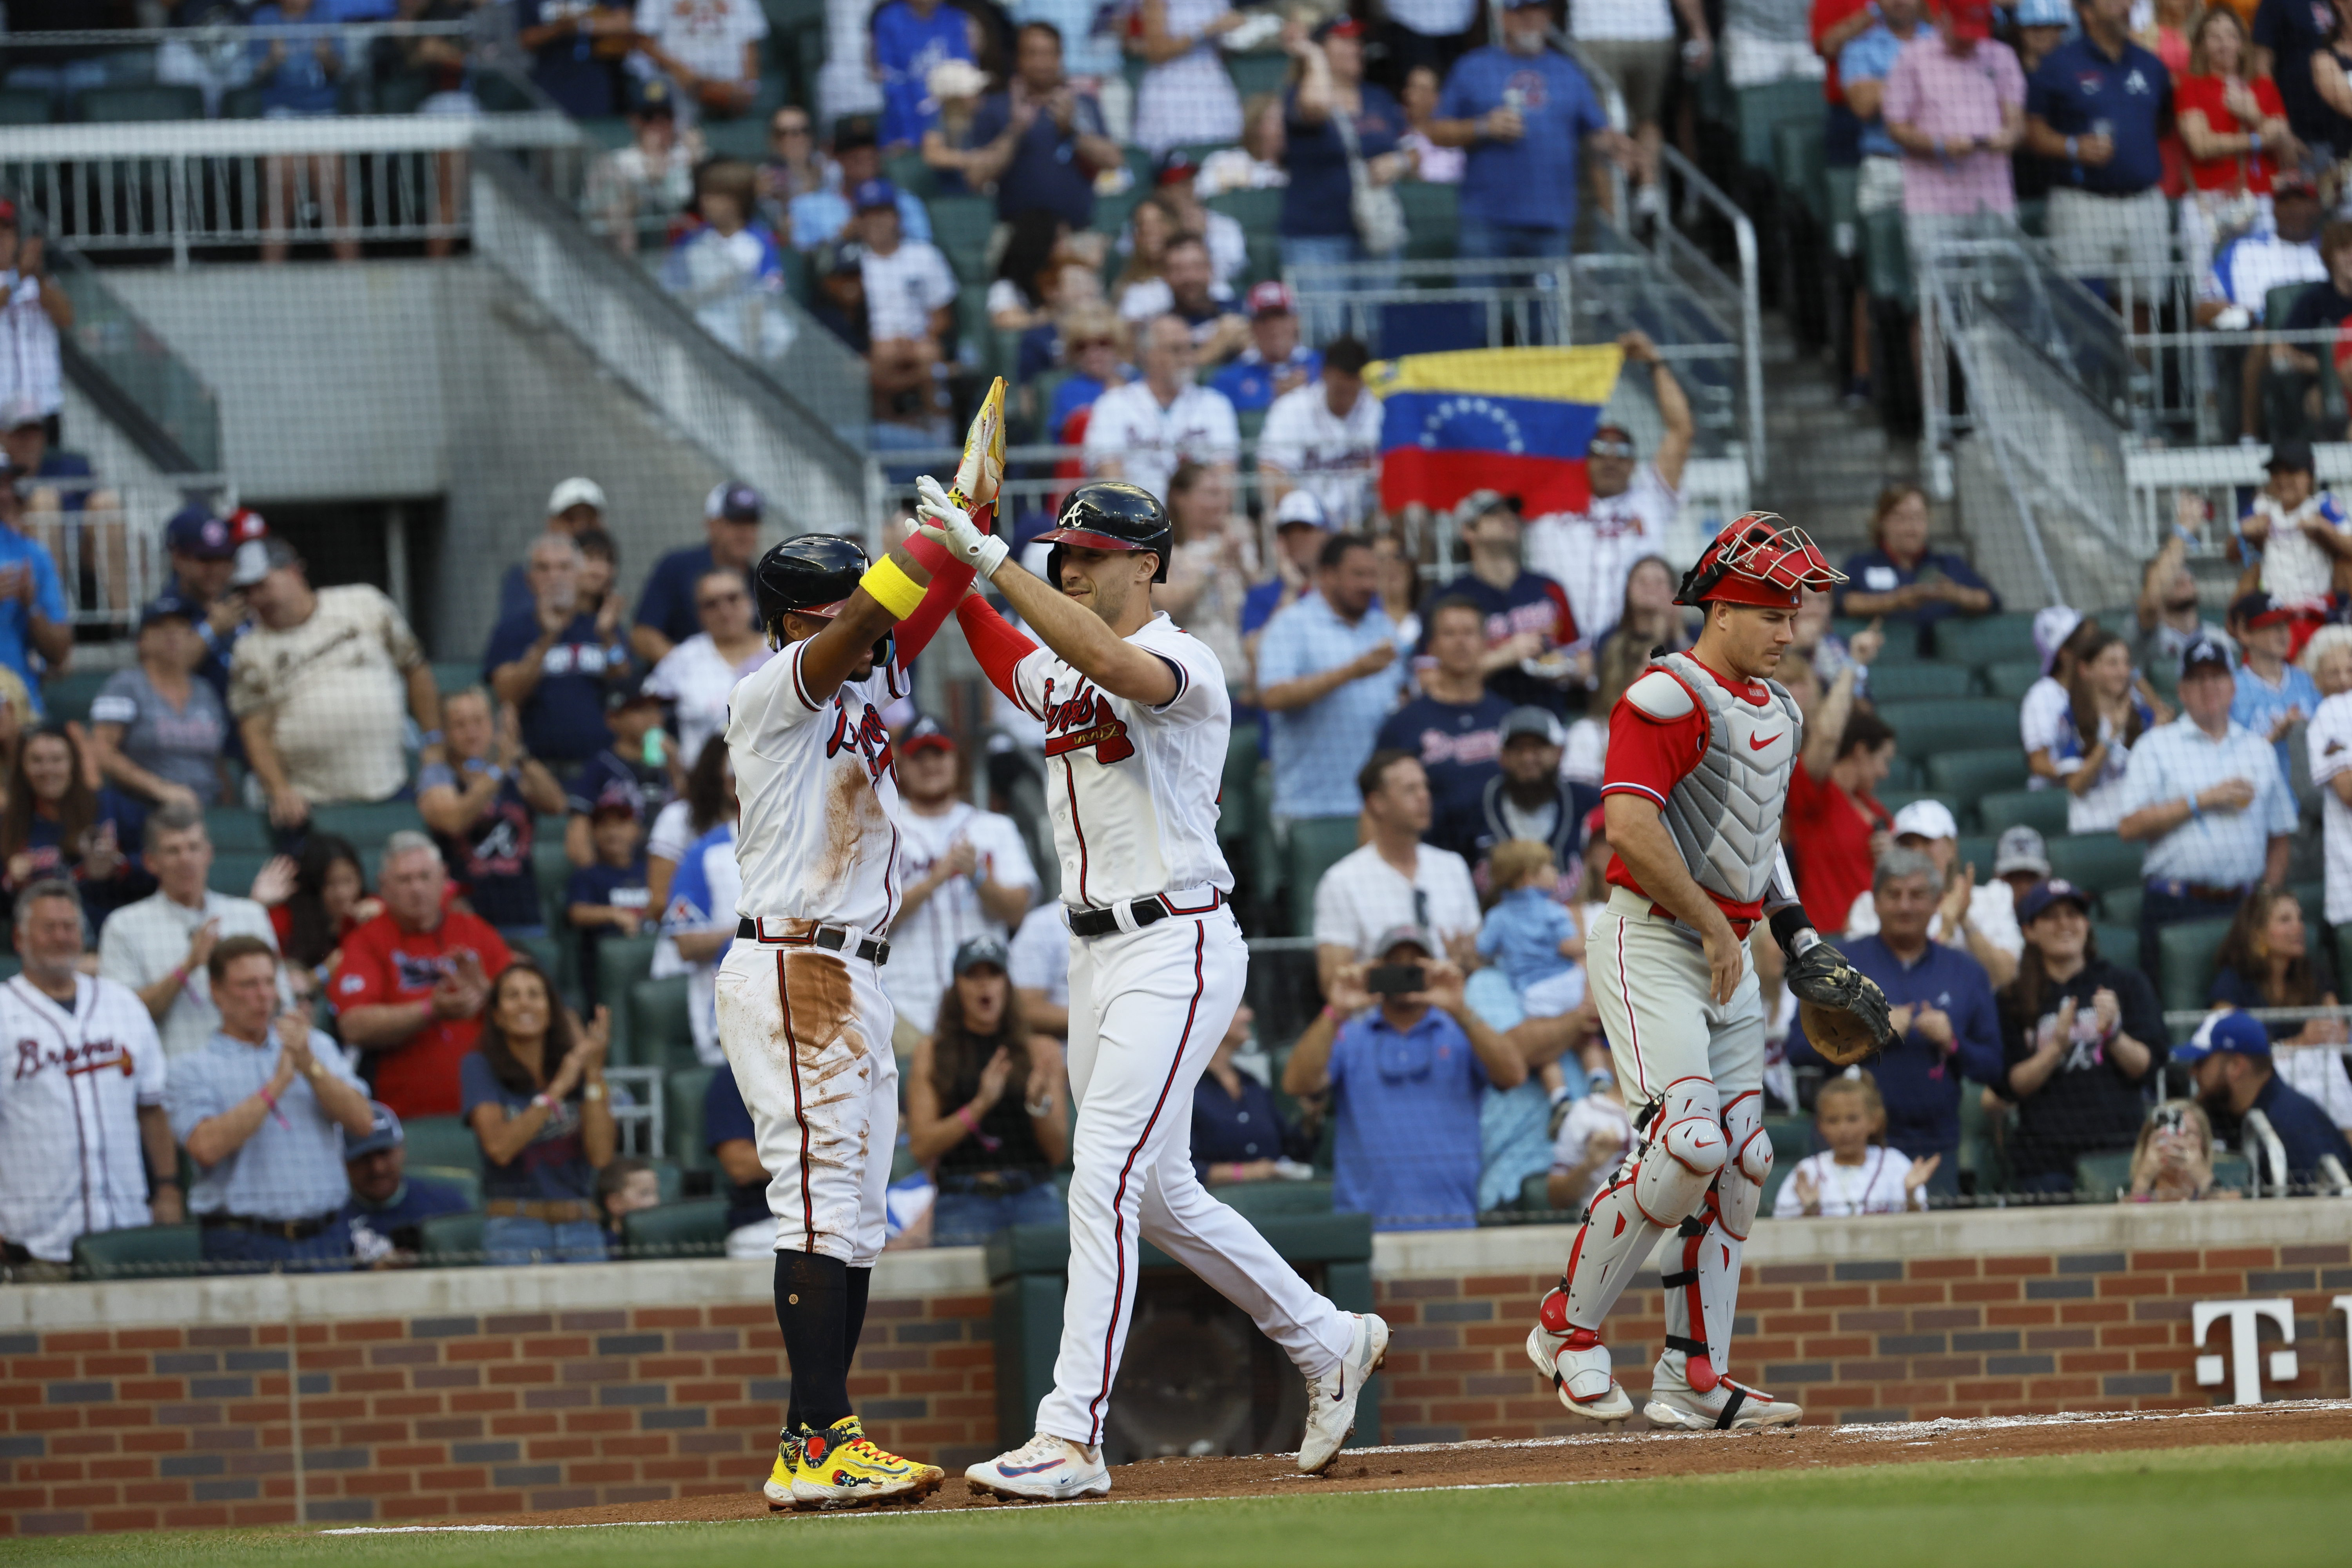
(284, 1229)
(1147, 910)
(833, 938)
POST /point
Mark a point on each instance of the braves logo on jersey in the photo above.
(32, 1058)
(869, 735)
(1082, 722)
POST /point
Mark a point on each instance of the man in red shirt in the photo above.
(1836, 823)
(1701, 749)
(412, 983)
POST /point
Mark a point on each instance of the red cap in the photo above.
(1971, 19)
(1270, 297)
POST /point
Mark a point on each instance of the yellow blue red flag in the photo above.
(1514, 420)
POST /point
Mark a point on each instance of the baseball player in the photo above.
(81, 1098)
(801, 1014)
(1700, 749)
(1136, 721)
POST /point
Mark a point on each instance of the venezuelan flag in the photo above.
(1514, 420)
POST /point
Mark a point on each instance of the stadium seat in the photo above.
(1799, 151)
(2230, 1171)
(960, 227)
(2117, 944)
(1919, 681)
(1433, 219)
(2185, 965)
(1982, 1157)
(66, 698)
(18, 107)
(451, 1241)
(468, 1183)
(235, 829)
(141, 1252)
(1255, 1201)
(2099, 861)
(1317, 843)
(2120, 907)
(234, 870)
(1258, 71)
(2105, 1177)
(1256, 211)
(2008, 679)
(907, 171)
(367, 826)
(1899, 649)
(1111, 213)
(150, 102)
(1758, 110)
(1792, 1138)
(661, 1027)
(455, 675)
(443, 1140)
(1976, 850)
(682, 1092)
(1886, 259)
(1955, 724)
(1984, 640)
(695, 1228)
(1895, 800)
(1974, 774)
(2044, 810)
(551, 870)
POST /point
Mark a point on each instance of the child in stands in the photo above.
(1858, 1173)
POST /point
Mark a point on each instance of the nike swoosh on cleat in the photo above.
(1026, 1470)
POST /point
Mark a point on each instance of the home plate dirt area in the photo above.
(1601, 1456)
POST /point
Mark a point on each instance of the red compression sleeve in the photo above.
(949, 578)
(996, 645)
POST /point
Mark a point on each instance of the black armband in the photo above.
(1789, 923)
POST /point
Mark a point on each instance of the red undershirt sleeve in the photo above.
(950, 579)
(996, 645)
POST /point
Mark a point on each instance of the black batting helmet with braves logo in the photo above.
(809, 575)
(1110, 514)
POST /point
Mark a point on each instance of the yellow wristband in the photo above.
(887, 584)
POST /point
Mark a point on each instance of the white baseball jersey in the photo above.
(1133, 788)
(1592, 552)
(923, 944)
(1040, 955)
(70, 1161)
(817, 832)
(2328, 738)
(1874, 1186)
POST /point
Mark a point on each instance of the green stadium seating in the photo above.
(2117, 944)
(1886, 259)
(2185, 954)
(468, 1183)
(451, 1241)
(682, 1093)
(443, 1140)
(661, 1027)
(2120, 907)
(1257, 71)
(1976, 850)
(1977, 771)
(960, 227)
(1982, 1157)
(1255, 1201)
(1315, 844)
(2100, 861)
(695, 1228)
(1111, 213)
(140, 1252)
(1256, 211)
(1984, 640)
(367, 826)
(234, 870)
(551, 870)
(1800, 160)
(1758, 110)
(455, 675)
(235, 829)
(2103, 1178)
(1955, 724)
(150, 102)
(2044, 810)
(1140, 166)
(69, 696)
(1919, 681)
(18, 107)
(2006, 677)
(910, 172)
(621, 962)
(1900, 648)
(1895, 800)
(2312, 899)
(1433, 219)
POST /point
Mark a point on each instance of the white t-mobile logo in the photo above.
(2246, 1365)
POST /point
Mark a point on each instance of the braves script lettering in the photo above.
(871, 738)
(1083, 721)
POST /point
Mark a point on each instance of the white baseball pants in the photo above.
(808, 1033)
(1147, 1010)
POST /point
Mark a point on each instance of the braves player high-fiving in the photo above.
(1136, 721)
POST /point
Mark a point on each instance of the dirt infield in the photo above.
(1603, 1456)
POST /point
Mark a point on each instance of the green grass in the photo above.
(2278, 1504)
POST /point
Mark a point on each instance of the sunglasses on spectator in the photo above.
(1610, 449)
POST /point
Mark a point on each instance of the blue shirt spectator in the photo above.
(819, 216)
(1048, 169)
(665, 612)
(400, 1219)
(1869, 59)
(1526, 182)
(571, 64)
(1534, 604)
(1249, 381)
(2081, 89)
(1336, 650)
(296, 75)
(608, 886)
(1405, 1093)
(2213, 847)
(910, 36)
(726, 1120)
(1235, 1119)
(2261, 704)
(564, 716)
(1523, 932)
(388, 1206)
(20, 616)
(2303, 1129)
(1316, 200)
(1942, 995)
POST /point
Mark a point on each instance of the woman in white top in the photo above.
(1856, 1175)
(2103, 719)
(1438, 165)
(1256, 163)
(1214, 564)
(1186, 96)
(699, 673)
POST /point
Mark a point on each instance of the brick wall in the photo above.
(478, 1391)
(1883, 1338)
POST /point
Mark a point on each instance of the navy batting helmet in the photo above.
(808, 576)
(1110, 514)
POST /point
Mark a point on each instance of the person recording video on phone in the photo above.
(553, 661)
(1405, 1061)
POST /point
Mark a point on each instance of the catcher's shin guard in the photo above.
(1703, 1294)
(1683, 1148)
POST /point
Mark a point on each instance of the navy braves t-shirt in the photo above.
(563, 718)
(1533, 603)
(1460, 746)
(2080, 88)
(552, 1167)
(490, 861)
(613, 887)
(1317, 201)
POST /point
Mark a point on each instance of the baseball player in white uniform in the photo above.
(1700, 751)
(82, 1097)
(1136, 721)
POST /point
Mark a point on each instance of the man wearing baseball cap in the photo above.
(2273, 696)
(2100, 106)
(2019, 859)
(573, 507)
(2233, 288)
(1526, 798)
(2230, 1062)
(1529, 626)
(665, 612)
(910, 295)
(388, 1206)
(1979, 917)
(1275, 363)
(2204, 794)
(1956, 110)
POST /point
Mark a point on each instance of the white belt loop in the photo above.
(1124, 913)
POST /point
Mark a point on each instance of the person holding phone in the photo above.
(1406, 1063)
(555, 660)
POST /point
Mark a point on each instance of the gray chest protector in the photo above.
(1724, 813)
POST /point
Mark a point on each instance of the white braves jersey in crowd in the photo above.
(70, 1161)
(816, 830)
(923, 944)
(1592, 552)
(1133, 789)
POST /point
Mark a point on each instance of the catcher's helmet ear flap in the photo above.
(807, 575)
(1111, 514)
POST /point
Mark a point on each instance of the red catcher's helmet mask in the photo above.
(1758, 559)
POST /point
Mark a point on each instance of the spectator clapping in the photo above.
(1327, 671)
(535, 1096)
(1857, 1173)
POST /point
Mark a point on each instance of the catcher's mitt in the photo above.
(1841, 1009)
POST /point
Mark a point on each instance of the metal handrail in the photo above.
(1677, 249)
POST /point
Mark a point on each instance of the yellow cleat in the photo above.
(841, 1467)
(778, 1487)
(981, 474)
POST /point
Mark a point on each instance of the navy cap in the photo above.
(855, 130)
(2238, 1034)
(2293, 454)
(166, 606)
(2205, 650)
(977, 951)
(197, 530)
(652, 95)
(384, 1132)
(2041, 895)
(630, 689)
(873, 194)
(734, 500)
